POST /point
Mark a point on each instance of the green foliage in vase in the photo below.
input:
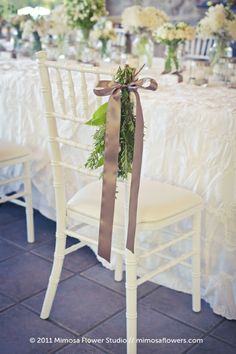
(127, 128)
(84, 14)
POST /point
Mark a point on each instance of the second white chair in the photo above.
(198, 48)
(12, 154)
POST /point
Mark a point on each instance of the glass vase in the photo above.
(219, 53)
(143, 49)
(36, 45)
(220, 49)
(171, 58)
(84, 48)
(105, 50)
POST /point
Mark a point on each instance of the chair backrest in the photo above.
(67, 90)
(120, 38)
(198, 48)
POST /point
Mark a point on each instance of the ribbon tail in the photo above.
(112, 139)
(136, 173)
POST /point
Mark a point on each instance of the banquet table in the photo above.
(190, 141)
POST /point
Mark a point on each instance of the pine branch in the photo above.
(127, 129)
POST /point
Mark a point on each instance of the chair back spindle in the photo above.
(69, 83)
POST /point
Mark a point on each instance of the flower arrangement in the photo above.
(40, 25)
(174, 32)
(219, 22)
(37, 28)
(135, 18)
(18, 22)
(103, 34)
(104, 31)
(84, 14)
(172, 35)
(58, 21)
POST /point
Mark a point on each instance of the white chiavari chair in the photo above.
(160, 204)
(14, 154)
(198, 48)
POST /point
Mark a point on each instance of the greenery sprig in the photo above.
(127, 128)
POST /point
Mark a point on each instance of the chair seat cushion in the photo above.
(157, 201)
(11, 151)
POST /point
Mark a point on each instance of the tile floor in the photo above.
(89, 305)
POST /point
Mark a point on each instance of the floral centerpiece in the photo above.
(172, 35)
(142, 21)
(37, 28)
(18, 22)
(219, 22)
(83, 14)
(105, 34)
(58, 25)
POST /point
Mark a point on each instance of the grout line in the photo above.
(64, 267)
(20, 302)
(206, 334)
(83, 334)
(35, 245)
(62, 326)
(149, 293)
(14, 256)
(102, 285)
(7, 308)
(50, 320)
(176, 319)
(222, 340)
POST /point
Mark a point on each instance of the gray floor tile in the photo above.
(80, 304)
(75, 262)
(80, 348)
(179, 305)
(226, 331)
(152, 326)
(15, 232)
(18, 325)
(105, 277)
(25, 275)
(84, 306)
(212, 346)
(8, 250)
(10, 212)
(5, 302)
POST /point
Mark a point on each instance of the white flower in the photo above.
(58, 21)
(131, 17)
(103, 30)
(84, 13)
(231, 28)
(204, 29)
(27, 29)
(40, 25)
(169, 32)
(137, 17)
(217, 17)
(217, 22)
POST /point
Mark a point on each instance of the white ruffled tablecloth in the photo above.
(190, 141)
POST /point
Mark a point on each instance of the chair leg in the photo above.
(196, 271)
(28, 202)
(119, 268)
(119, 260)
(56, 272)
(131, 302)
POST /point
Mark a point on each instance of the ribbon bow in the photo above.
(113, 118)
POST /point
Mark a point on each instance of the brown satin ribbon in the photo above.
(112, 139)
